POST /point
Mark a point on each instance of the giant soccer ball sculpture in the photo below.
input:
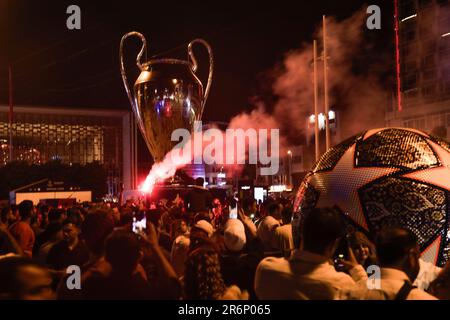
(386, 177)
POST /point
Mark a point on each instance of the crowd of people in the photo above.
(198, 247)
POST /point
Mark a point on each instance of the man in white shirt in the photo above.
(308, 274)
(267, 227)
(398, 255)
(283, 233)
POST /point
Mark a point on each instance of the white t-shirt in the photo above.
(284, 238)
(179, 254)
(305, 276)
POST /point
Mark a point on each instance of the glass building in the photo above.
(73, 136)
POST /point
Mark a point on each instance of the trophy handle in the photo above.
(138, 62)
(194, 67)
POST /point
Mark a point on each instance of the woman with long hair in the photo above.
(203, 278)
(363, 249)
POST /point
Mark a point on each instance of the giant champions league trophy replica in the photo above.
(167, 95)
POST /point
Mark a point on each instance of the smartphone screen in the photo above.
(139, 225)
(233, 209)
(233, 213)
(341, 254)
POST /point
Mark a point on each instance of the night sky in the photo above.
(56, 66)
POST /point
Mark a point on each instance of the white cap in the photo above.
(234, 235)
(266, 232)
(205, 226)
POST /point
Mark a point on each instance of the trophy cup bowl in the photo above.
(167, 95)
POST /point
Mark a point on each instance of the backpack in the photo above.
(404, 291)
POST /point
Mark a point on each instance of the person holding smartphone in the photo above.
(308, 273)
(139, 269)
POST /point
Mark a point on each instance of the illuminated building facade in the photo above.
(72, 136)
(424, 46)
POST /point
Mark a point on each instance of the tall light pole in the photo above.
(290, 168)
(316, 111)
(11, 115)
(325, 84)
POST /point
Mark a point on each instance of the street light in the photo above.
(321, 117)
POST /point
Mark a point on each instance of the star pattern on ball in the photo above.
(339, 187)
(438, 175)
